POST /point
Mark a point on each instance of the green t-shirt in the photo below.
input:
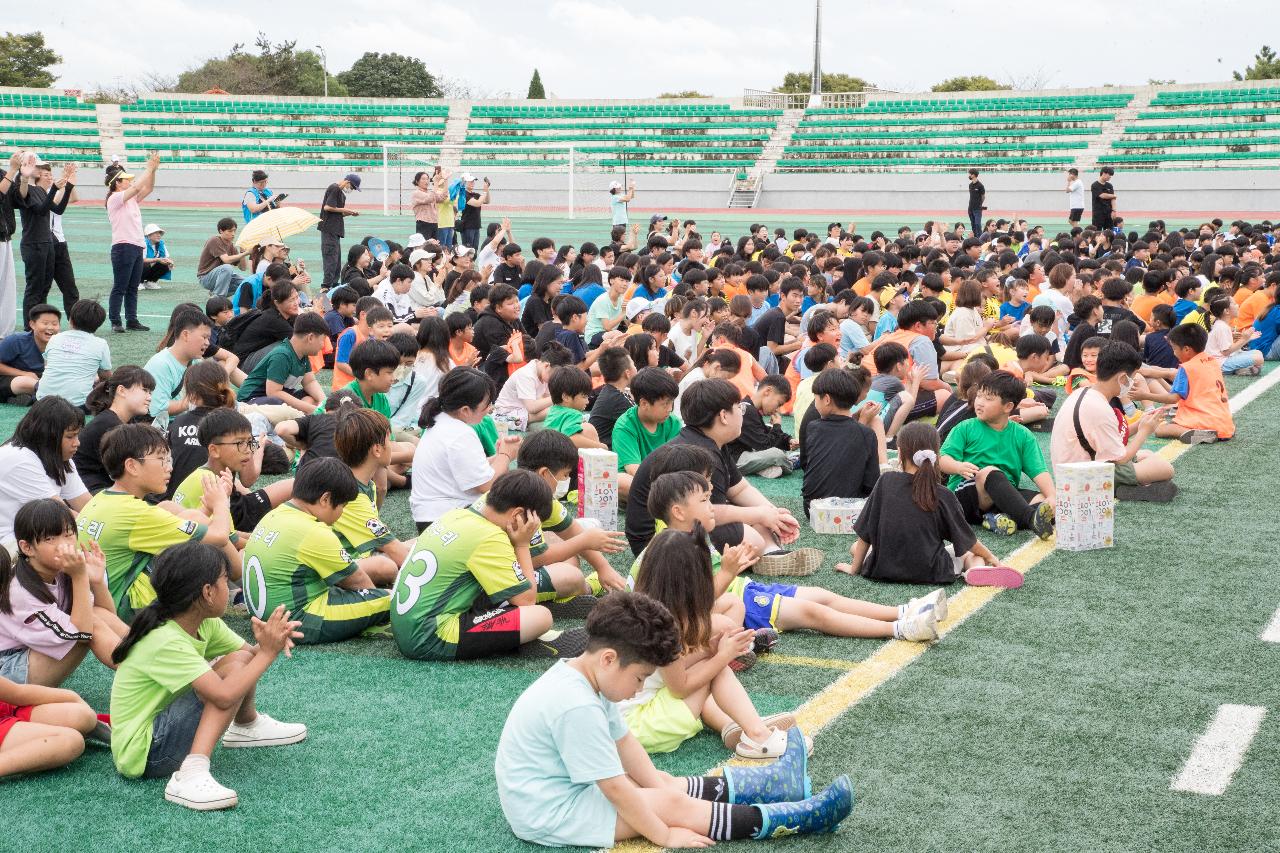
(602, 309)
(360, 528)
(292, 558)
(460, 560)
(487, 431)
(1013, 450)
(280, 365)
(379, 403)
(564, 419)
(632, 441)
(130, 533)
(159, 669)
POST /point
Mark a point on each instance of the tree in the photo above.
(276, 69)
(1266, 66)
(977, 83)
(688, 93)
(390, 75)
(801, 82)
(25, 61)
(536, 92)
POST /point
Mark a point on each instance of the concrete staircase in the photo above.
(1113, 130)
(455, 134)
(745, 191)
(110, 132)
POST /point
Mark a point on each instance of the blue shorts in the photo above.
(13, 665)
(761, 600)
(172, 732)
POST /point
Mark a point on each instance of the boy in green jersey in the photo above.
(570, 388)
(363, 441)
(646, 426)
(373, 364)
(466, 592)
(294, 558)
(131, 532)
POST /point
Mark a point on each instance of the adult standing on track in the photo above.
(8, 227)
(1075, 197)
(258, 199)
(618, 201)
(1104, 199)
(127, 242)
(428, 189)
(333, 214)
(977, 201)
(469, 222)
(37, 201)
(64, 274)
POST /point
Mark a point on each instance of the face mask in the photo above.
(1126, 386)
(402, 372)
(562, 488)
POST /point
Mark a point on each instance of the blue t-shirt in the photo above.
(167, 371)
(886, 324)
(1269, 325)
(19, 350)
(645, 293)
(1181, 385)
(852, 337)
(337, 323)
(523, 292)
(158, 250)
(573, 342)
(588, 293)
(1182, 308)
(559, 740)
(72, 361)
(1156, 350)
(1017, 312)
(346, 343)
(618, 209)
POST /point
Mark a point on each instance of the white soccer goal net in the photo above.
(553, 179)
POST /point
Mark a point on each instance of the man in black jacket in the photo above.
(37, 200)
(9, 227)
(762, 448)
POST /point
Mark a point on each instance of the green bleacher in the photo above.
(1224, 135)
(58, 127)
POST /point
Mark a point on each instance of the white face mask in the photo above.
(1126, 386)
(562, 488)
(402, 372)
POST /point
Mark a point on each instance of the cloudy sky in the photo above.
(604, 49)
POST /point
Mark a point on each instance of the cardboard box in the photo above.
(598, 486)
(1086, 505)
(835, 515)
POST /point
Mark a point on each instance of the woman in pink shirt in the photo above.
(428, 191)
(127, 243)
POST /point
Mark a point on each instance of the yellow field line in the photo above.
(816, 663)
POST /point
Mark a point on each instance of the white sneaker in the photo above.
(935, 601)
(917, 628)
(198, 790)
(773, 472)
(263, 731)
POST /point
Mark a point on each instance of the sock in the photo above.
(195, 762)
(711, 788)
(1007, 499)
(734, 823)
(902, 611)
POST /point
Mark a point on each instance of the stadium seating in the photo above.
(1203, 129)
(992, 132)
(58, 127)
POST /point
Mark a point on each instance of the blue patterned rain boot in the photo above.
(818, 814)
(784, 781)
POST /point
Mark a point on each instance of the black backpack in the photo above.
(231, 332)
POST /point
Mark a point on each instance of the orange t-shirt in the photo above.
(1143, 305)
(1242, 294)
(901, 336)
(749, 374)
(1206, 405)
(341, 378)
(462, 353)
(1253, 308)
(730, 290)
(862, 286)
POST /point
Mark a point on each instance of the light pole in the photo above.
(324, 64)
(815, 87)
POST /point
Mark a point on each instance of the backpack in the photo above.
(231, 332)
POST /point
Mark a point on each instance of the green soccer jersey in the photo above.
(736, 586)
(461, 559)
(1013, 450)
(487, 432)
(632, 440)
(293, 559)
(360, 528)
(558, 522)
(564, 419)
(379, 403)
(130, 533)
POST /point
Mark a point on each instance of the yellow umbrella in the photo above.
(280, 223)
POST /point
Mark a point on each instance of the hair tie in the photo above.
(922, 456)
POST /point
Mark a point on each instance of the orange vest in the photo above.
(341, 378)
(901, 336)
(1205, 406)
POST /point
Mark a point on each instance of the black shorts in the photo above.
(487, 632)
(727, 535)
(6, 388)
(967, 494)
(248, 510)
(1075, 214)
(428, 229)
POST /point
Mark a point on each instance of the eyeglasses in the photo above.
(166, 461)
(249, 444)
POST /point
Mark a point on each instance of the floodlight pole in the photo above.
(816, 84)
(324, 64)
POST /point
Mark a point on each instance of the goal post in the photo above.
(564, 180)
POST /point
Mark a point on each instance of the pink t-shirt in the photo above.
(1097, 421)
(38, 625)
(126, 220)
(1220, 340)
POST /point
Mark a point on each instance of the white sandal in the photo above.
(732, 733)
(771, 748)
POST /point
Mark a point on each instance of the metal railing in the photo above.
(762, 99)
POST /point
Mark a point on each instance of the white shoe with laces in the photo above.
(198, 790)
(917, 628)
(264, 731)
(935, 601)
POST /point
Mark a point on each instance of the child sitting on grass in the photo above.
(461, 352)
(1204, 410)
(896, 385)
(570, 390)
(762, 449)
(841, 456)
(910, 515)
(75, 360)
(1155, 346)
(1086, 374)
(373, 320)
(284, 375)
(1230, 349)
(987, 456)
(42, 728)
(120, 398)
(646, 426)
(525, 398)
(1188, 292)
(373, 364)
(186, 681)
(817, 358)
(614, 398)
(364, 444)
(571, 774)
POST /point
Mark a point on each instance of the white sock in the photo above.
(195, 763)
(902, 611)
(897, 630)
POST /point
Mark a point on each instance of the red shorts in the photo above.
(10, 714)
(483, 633)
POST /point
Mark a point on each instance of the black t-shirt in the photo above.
(470, 219)
(771, 327)
(724, 476)
(756, 434)
(840, 459)
(956, 410)
(751, 340)
(87, 460)
(536, 314)
(609, 406)
(1112, 314)
(667, 357)
(907, 542)
(316, 432)
(184, 444)
(489, 331)
(977, 194)
(267, 329)
(357, 280)
(332, 223)
(504, 273)
(1102, 206)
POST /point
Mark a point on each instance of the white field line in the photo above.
(1220, 751)
(1271, 633)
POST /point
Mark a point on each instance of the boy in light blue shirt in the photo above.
(76, 359)
(569, 772)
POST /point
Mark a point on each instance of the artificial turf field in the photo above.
(1053, 718)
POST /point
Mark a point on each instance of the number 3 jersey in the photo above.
(461, 562)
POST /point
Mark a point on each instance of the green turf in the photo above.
(1054, 719)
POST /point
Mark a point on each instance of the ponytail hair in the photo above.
(35, 521)
(104, 392)
(919, 442)
(460, 388)
(207, 384)
(179, 575)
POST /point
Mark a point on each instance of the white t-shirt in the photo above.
(1220, 339)
(399, 304)
(449, 467)
(684, 345)
(963, 323)
(524, 384)
(1075, 195)
(25, 480)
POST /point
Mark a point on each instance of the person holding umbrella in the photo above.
(333, 214)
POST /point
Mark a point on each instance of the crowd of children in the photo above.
(915, 371)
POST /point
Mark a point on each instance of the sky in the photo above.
(607, 49)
